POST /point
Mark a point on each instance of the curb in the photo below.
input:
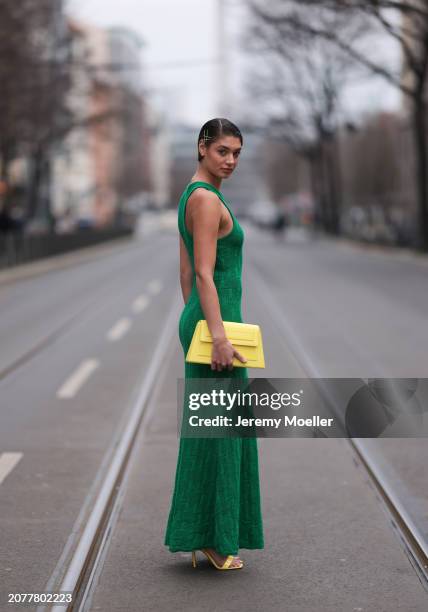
(401, 253)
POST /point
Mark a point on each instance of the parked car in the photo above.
(263, 214)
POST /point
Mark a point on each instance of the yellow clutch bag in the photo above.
(245, 337)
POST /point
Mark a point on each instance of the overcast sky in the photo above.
(185, 32)
(177, 33)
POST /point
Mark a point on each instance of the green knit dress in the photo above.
(216, 497)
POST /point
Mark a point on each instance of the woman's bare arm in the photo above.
(205, 214)
(186, 272)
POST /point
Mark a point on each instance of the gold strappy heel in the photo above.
(226, 565)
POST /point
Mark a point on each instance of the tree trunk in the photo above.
(5, 159)
(318, 175)
(314, 189)
(337, 168)
(37, 160)
(331, 189)
(419, 126)
(316, 195)
(327, 186)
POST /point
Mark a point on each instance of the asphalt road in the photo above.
(76, 343)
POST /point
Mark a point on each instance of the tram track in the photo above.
(78, 569)
(80, 572)
(409, 535)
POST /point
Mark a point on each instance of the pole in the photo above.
(222, 83)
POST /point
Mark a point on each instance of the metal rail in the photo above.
(413, 541)
(82, 569)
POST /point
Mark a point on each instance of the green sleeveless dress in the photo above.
(216, 497)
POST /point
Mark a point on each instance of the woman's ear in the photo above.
(202, 148)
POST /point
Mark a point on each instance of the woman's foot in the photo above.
(220, 559)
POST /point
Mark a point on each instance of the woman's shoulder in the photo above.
(202, 197)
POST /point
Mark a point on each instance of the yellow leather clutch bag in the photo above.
(245, 337)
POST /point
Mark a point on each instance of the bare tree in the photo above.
(405, 22)
(34, 76)
(300, 83)
(38, 72)
(373, 171)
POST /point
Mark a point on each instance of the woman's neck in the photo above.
(215, 181)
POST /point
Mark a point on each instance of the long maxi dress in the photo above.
(216, 497)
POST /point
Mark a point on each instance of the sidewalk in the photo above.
(329, 545)
(398, 253)
(58, 262)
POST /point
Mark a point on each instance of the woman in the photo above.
(216, 500)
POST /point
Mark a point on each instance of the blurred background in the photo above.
(102, 102)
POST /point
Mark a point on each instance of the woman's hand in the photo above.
(222, 355)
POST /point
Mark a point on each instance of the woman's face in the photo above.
(221, 157)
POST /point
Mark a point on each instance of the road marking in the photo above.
(119, 329)
(7, 463)
(87, 530)
(154, 286)
(76, 380)
(140, 303)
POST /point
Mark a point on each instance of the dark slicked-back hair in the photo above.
(214, 129)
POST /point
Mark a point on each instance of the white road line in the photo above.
(76, 380)
(140, 303)
(154, 286)
(7, 463)
(119, 329)
(86, 529)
